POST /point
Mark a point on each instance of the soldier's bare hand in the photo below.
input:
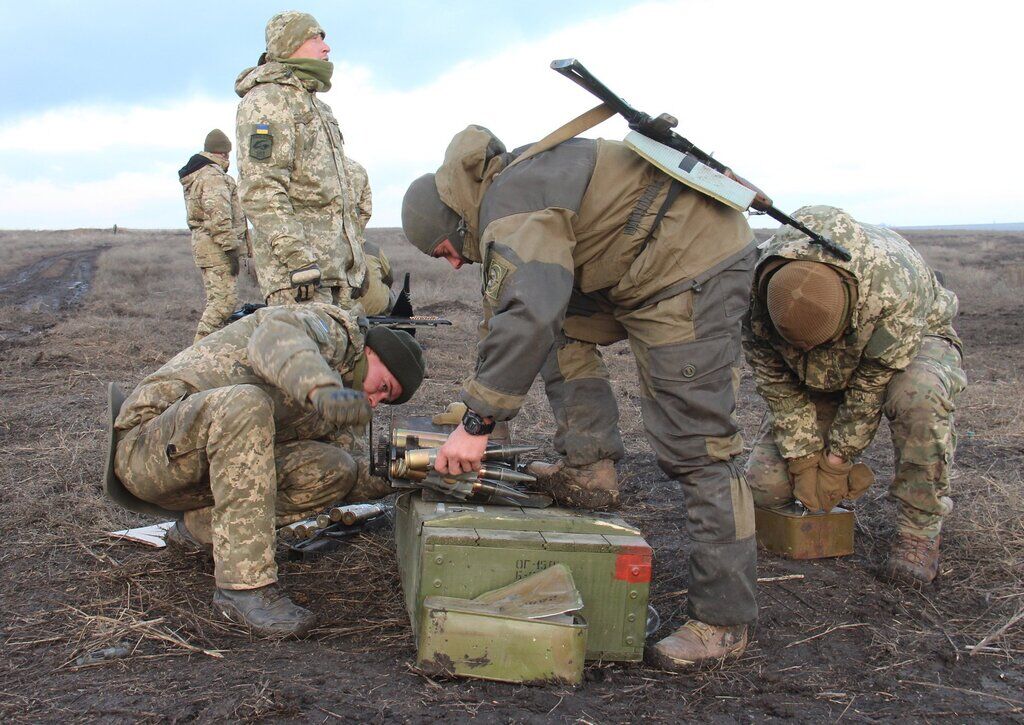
(461, 453)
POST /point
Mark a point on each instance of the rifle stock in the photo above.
(660, 129)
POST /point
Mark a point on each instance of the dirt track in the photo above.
(835, 644)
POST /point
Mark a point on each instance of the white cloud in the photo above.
(901, 112)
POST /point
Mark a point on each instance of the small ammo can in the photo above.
(463, 550)
(793, 532)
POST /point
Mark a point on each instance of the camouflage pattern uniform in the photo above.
(899, 356)
(218, 227)
(566, 231)
(376, 298)
(225, 429)
(294, 186)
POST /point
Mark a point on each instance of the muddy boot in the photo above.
(913, 559)
(593, 486)
(696, 643)
(179, 537)
(267, 611)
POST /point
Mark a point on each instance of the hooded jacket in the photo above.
(212, 209)
(898, 303)
(293, 183)
(287, 351)
(571, 219)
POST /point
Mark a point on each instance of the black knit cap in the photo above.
(401, 355)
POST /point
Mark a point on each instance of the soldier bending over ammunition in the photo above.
(590, 227)
(835, 345)
(238, 432)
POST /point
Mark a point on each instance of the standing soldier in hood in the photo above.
(590, 227)
(218, 228)
(292, 176)
(377, 299)
(834, 345)
(239, 430)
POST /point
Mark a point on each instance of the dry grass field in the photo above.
(80, 308)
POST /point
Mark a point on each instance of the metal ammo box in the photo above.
(463, 550)
(792, 532)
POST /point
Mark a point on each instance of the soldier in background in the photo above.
(376, 299)
(218, 228)
(238, 432)
(577, 222)
(292, 177)
(834, 345)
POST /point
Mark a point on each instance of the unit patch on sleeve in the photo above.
(497, 270)
(261, 143)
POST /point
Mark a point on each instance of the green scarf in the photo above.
(359, 370)
(314, 74)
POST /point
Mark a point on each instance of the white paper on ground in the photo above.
(154, 535)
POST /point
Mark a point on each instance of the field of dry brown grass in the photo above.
(80, 308)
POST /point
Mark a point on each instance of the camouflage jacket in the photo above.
(212, 209)
(286, 351)
(571, 219)
(376, 297)
(899, 301)
(293, 182)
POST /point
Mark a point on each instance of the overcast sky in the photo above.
(901, 112)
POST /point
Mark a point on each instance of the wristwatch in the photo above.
(475, 425)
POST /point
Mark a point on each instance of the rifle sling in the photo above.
(572, 129)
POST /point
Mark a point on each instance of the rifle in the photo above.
(402, 316)
(660, 129)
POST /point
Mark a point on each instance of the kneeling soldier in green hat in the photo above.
(834, 345)
(235, 431)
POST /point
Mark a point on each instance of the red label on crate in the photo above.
(634, 564)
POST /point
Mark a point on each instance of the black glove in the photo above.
(233, 261)
(305, 281)
(341, 406)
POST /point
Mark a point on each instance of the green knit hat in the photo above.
(287, 31)
(217, 142)
(401, 355)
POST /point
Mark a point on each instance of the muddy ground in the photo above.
(80, 308)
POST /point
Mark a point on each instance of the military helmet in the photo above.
(808, 302)
(426, 220)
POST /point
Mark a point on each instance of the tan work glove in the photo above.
(833, 482)
(341, 406)
(860, 480)
(804, 473)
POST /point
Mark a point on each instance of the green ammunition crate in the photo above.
(463, 550)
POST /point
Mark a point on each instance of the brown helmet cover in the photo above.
(808, 302)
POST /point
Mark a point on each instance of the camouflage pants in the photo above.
(919, 404)
(213, 453)
(687, 350)
(338, 295)
(221, 299)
